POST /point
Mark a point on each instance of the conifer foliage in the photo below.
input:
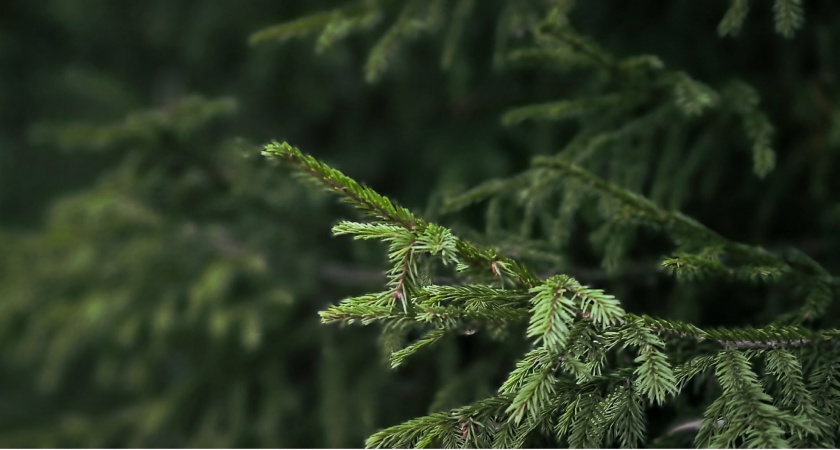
(572, 382)
(590, 373)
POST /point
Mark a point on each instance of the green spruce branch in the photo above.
(566, 382)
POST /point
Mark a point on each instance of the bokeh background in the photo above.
(160, 281)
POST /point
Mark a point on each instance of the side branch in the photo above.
(681, 227)
(768, 338)
(360, 196)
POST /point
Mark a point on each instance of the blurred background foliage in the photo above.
(159, 281)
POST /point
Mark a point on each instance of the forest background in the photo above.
(159, 282)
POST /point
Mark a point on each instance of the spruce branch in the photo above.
(554, 31)
(302, 26)
(333, 25)
(684, 230)
(746, 408)
(551, 315)
(795, 397)
(744, 100)
(654, 376)
(562, 382)
(381, 231)
(563, 59)
(767, 338)
(362, 197)
(449, 307)
(180, 119)
(824, 384)
(565, 109)
(535, 360)
(532, 396)
(683, 227)
(788, 15)
(559, 46)
(441, 428)
(364, 310)
(602, 309)
(398, 357)
(438, 239)
(586, 430)
(685, 372)
(693, 97)
(417, 16)
(624, 418)
(460, 13)
(402, 274)
(734, 18)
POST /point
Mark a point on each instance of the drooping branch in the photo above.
(683, 229)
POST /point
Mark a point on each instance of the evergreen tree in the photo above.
(650, 263)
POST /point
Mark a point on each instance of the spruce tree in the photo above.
(619, 226)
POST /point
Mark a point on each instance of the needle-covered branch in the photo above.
(577, 379)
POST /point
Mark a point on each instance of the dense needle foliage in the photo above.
(593, 371)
